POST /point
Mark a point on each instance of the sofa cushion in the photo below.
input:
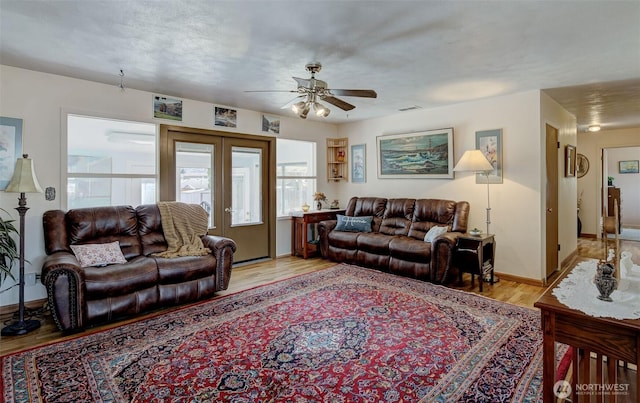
(120, 279)
(354, 224)
(344, 240)
(103, 225)
(99, 254)
(185, 268)
(410, 249)
(150, 229)
(374, 242)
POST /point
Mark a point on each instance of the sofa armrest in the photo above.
(223, 249)
(324, 228)
(63, 278)
(442, 256)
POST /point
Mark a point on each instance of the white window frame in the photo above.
(279, 196)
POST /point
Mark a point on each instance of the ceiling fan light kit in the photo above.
(313, 90)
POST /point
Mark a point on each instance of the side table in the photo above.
(300, 221)
(475, 254)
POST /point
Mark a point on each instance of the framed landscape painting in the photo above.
(490, 143)
(628, 167)
(427, 154)
(167, 108)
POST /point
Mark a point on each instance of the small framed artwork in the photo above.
(270, 124)
(167, 108)
(569, 160)
(427, 154)
(582, 163)
(225, 117)
(10, 148)
(358, 163)
(490, 143)
(628, 167)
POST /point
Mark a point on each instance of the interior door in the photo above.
(245, 196)
(552, 200)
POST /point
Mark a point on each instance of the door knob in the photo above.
(228, 210)
(549, 210)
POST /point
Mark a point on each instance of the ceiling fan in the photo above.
(312, 90)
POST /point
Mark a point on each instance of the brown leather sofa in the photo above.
(79, 297)
(396, 243)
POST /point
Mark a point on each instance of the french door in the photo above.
(229, 177)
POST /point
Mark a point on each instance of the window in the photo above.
(110, 162)
(296, 177)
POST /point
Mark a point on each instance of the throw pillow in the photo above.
(98, 254)
(354, 224)
(434, 232)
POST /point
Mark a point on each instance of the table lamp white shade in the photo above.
(24, 177)
(473, 160)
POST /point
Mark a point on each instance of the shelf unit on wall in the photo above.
(337, 161)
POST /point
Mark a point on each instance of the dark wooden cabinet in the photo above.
(613, 199)
(302, 244)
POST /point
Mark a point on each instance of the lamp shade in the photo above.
(24, 177)
(473, 160)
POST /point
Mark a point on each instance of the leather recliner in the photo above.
(396, 241)
(82, 296)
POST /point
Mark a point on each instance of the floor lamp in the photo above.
(475, 161)
(23, 181)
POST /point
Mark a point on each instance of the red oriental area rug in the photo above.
(344, 334)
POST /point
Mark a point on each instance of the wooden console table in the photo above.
(300, 221)
(608, 339)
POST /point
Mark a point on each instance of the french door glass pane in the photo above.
(194, 175)
(246, 189)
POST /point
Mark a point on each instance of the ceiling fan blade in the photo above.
(355, 93)
(272, 91)
(338, 102)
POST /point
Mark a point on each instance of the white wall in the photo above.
(553, 114)
(42, 100)
(628, 183)
(516, 209)
(590, 185)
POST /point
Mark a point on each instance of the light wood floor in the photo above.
(253, 275)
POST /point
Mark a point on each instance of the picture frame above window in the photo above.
(167, 108)
(10, 148)
(629, 167)
(490, 143)
(569, 160)
(426, 154)
(225, 117)
(271, 124)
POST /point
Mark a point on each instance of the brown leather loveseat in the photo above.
(82, 296)
(396, 241)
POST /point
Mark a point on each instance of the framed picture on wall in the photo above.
(490, 143)
(10, 148)
(569, 160)
(582, 164)
(225, 117)
(167, 108)
(427, 154)
(628, 167)
(358, 163)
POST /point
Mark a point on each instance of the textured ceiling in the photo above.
(586, 55)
